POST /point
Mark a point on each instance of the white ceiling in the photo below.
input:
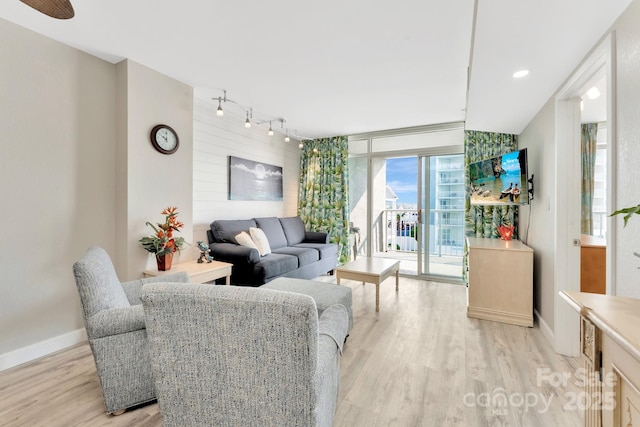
(344, 67)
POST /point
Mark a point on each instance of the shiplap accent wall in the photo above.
(214, 140)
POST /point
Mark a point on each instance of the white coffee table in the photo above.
(370, 270)
(198, 272)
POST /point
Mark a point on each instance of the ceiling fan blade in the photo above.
(60, 9)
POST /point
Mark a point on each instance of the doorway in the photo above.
(594, 150)
(567, 216)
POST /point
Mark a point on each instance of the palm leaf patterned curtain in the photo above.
(323, 199)
(589, 135)
(483, 221)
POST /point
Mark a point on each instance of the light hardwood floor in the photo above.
(418, 362)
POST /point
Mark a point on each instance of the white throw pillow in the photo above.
(244, 239)
(260, 239)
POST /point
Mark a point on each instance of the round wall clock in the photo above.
(164, 139)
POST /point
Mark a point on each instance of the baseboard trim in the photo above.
(546, 330)
(500, 316)
(42, 348)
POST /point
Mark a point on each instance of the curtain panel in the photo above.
(589, 136)
(483, 221)
(323, 199)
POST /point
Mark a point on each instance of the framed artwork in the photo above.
(249, 180)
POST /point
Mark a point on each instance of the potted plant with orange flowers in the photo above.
(162, 243)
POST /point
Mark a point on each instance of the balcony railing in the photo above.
(446, 231)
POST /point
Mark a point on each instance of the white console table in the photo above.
(500, 281)
(610, 348)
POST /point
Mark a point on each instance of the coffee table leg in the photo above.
(397, 278)
(377, 296)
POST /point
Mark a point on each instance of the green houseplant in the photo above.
(162, 243)
(628, 212)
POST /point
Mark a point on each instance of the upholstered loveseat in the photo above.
(295, 252)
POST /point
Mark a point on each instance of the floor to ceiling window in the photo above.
(407, 198)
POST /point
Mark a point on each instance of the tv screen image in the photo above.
(501, 180)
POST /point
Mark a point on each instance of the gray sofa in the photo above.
(296, 253)
(235, 356)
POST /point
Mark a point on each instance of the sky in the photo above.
(402, 175)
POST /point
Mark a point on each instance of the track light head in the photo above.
(220, 111)
(270, 133)
(247, 123)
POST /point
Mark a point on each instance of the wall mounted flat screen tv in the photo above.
(501, 180)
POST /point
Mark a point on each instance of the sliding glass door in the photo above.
(406, 198)
(441, 216)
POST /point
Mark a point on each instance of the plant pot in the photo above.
(164, 262)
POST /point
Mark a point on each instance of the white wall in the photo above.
(217, 138)
(627, 156)
(151, 181)
(57, 157)
(539, 139)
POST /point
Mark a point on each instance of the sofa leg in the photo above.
(332, 272)
(118, 412)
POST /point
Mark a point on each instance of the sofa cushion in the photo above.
(275, 265)
(245, 240)
(293, 229)
(273, 229)
(305, 256)
(326, 250)
(226, 230)
(261, 241)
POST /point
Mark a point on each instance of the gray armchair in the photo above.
(114, 320)
(238, 356)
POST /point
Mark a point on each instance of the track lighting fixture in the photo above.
(259, 120)
(301, 145)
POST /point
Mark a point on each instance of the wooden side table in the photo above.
(198, 273)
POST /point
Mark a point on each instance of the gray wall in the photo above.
(150, 181)
(57, 116)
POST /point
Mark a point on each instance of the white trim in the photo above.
(42, 348)
(567, 224)
(544, 328)
(611, 162)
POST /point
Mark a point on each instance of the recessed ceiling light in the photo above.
(520, 74)
(593, 93)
